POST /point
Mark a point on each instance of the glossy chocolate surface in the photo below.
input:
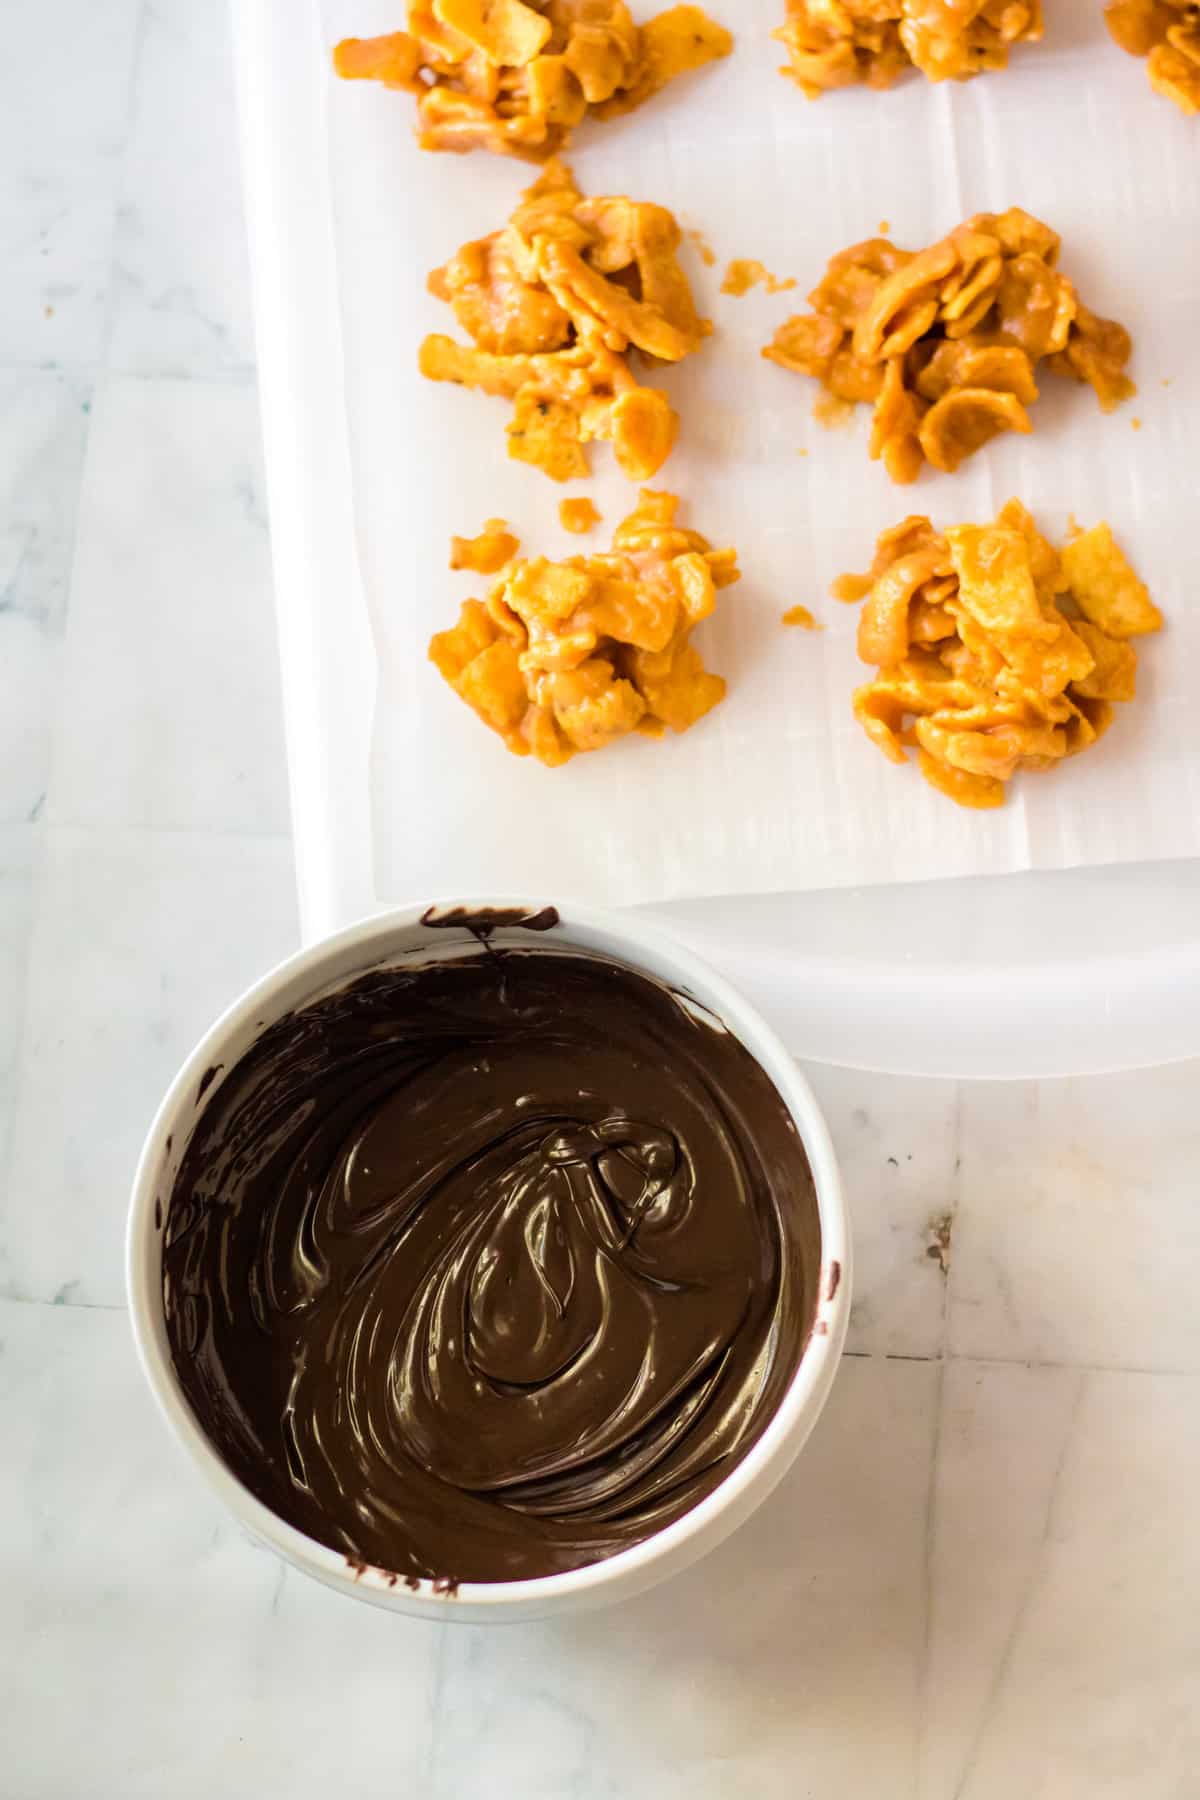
(488, 1267)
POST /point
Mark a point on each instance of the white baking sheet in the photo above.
(999, 977)
(778, 790)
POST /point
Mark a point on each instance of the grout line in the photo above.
(954, 1209)
(81, 368)
(119, 833)
(107, 1306)
(928, 1552)
(1079, 1368)
(891, 1356)
(929, 1547)
(239, 374)
(993, 1361)
(436, 1710)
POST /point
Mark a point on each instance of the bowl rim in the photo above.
(782, 1437)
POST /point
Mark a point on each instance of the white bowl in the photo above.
(381, 940)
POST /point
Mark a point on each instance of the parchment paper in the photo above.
(778, 790)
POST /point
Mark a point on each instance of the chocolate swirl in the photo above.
(486, 1268)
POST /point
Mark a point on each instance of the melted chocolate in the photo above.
(486, 1268)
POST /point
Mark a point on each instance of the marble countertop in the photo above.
(980, 1580)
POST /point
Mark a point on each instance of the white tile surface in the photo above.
(181, 300)
(897, 1146)
(170, 712)
(787, 1664)
(139, 940)
(1002, 1435)
(148, 1648)
(68, 68)
(16, 864)
(1078, 1237)
(43, 428)
(1094, 1691)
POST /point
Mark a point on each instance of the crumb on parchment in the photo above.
(745, 273)
(578, 516)
(704, 249)
(487, 553)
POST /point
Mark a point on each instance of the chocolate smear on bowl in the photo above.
(482, 921)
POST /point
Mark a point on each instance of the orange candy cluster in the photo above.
(994, 651)
(553, 303)
(567, 656)
(514, 76)
(838, 43)
(943, 343)
(1167, 34)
